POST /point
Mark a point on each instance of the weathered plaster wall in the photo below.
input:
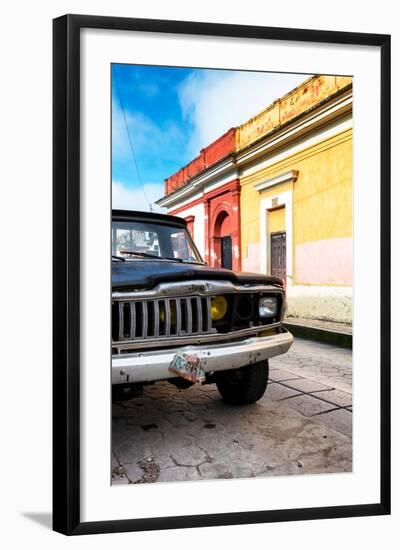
(251, 260)
(325, 262)
(320, 302)
(208, 156)
(323, 191)
(301, 99)
(320, 284)
(277, 220)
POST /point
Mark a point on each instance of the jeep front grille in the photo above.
(149, 319)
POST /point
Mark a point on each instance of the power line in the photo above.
(130, 141)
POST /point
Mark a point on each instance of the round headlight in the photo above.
(268, 306)
(219, 307)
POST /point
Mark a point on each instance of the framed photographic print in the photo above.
(221, 274)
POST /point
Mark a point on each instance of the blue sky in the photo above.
(171, 114)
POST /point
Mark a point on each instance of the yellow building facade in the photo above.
(295, 168)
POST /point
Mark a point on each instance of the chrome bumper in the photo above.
(153, 365)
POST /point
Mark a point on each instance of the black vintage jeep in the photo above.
(174, 318)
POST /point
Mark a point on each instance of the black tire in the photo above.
(245, 385)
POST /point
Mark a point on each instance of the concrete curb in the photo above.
(336, 338)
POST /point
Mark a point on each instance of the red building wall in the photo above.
(222, 218)
(208, 156)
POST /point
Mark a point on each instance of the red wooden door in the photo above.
(278, 255)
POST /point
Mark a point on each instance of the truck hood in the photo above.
(146, 274)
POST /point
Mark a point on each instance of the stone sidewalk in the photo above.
(323, 363)
(302, 425)
(337, 334)
(345, 328)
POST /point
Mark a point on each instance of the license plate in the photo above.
(188, 366)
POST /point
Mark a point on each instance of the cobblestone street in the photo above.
(302, 425)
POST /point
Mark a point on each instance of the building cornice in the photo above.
(317, 117)
(199, 182)
(290, 176)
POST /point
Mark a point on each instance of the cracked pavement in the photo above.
(302, 425)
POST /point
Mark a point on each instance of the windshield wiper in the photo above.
(181, 260)
(145, 255)
(172, 259)
(195, 263)
(142, 254)
(118, 258)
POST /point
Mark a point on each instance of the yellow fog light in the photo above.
(219, 307)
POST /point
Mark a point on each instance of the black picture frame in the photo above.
(66, 273)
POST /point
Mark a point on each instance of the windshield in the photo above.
(152, 239)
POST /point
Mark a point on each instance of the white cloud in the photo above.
(141, 129)
(128, 198)
(147, 137)
(214, 101)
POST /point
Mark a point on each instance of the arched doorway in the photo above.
(222, 237)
